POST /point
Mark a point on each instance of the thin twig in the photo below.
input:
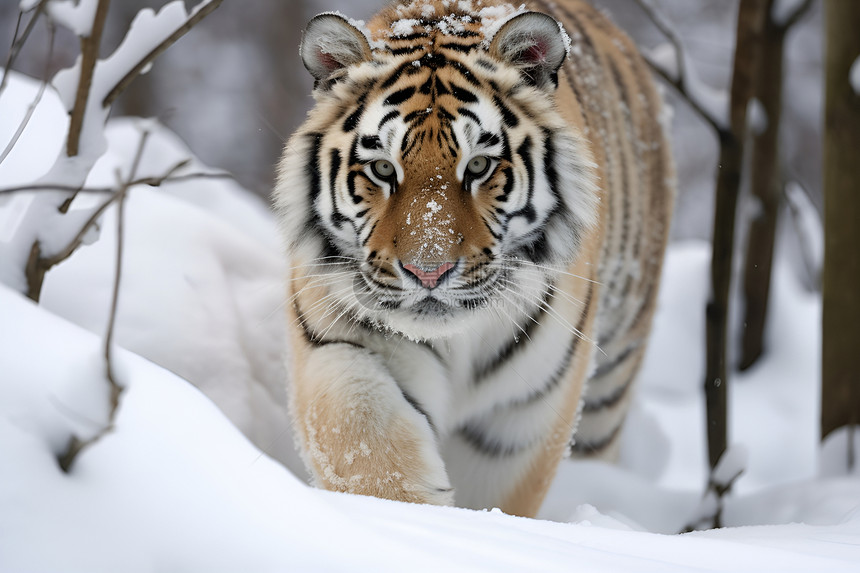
(76, 445)
(150, 181)
(121, 193)
(18, 42)
(681, 87)
(89, 56)
(32, 108)
(198, 13)
(679, 81)
(78, 240)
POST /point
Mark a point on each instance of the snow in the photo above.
(177, 486)
(76, 15)
(38, 218)
(854, 76)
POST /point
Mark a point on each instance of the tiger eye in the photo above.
(383, 169)
(477, 166)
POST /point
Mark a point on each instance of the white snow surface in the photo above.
(207, 479)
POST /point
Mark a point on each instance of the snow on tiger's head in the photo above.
(434, 161)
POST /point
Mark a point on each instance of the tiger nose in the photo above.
(428, 279)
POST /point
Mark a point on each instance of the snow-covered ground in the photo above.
(208, 480)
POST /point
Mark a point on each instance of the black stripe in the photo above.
(473, 436)
(417, 117)
(463, 95)
(412, 36)
(549, 166)
(487, 65)
(311, 337)
(514, 345)
(434, 61)
(439, 88)
(444, 114)
(495, 235)
(584, 448)
(350, 186)
(405, 50)
(396, 75)
(427, 86)
(487, 138)
(465, 48)
(508, 116)
(466, 73)
(609, 401)
(537, 250)
(351, 122)
(524, 151)
(418, 408)
(388, 117)
(313, 165)
(369, 234)
(337, 217)
(508, 172)
(623, 159)
(371, 142)
(470, 114)
(463, 33)
(564, 365)
(399, 96)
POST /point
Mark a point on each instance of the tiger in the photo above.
(475, 213)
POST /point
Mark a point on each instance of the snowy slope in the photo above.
(178, 486)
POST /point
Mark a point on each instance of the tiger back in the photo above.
(475, 213)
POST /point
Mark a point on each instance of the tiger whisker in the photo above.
(551, 269)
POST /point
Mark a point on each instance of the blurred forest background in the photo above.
(235, 89)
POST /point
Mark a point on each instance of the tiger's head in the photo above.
(435, 182)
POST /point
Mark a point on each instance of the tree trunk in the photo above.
(751, 16)
(765, 185)
(840, 400)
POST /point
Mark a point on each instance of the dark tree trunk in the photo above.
(765, 185)
(751, 17)
(840, 400)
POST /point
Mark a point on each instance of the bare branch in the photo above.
(18, 42)
(667, 29)
(681, 88)
(32, 107)
(78, 240)
(150, 181)
(53, 187)
(680, 81)
(89, 56)
(200, 12)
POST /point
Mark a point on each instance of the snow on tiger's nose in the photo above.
(431, 228)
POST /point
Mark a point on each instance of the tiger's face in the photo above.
(434, 182)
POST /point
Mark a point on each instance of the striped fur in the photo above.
(476, 226)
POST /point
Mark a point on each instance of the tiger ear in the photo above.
(330, 43)
(535, 43)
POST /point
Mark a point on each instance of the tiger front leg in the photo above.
(359, 433)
